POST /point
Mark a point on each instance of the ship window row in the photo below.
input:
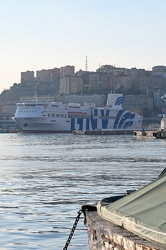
(75, 107)
(57, 115)
(53, 120)
(28, 118)
(105, 116)
(79, 116)
(34, 105)
(30, 111)
(30, 107)
(55, 106)
(89, 116)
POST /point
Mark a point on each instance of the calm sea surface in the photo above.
(46, 178)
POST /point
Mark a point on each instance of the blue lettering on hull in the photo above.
(123, 120)
(94, 120)
(105, 114)
(80, 123)
(72, 124)
(87, 123)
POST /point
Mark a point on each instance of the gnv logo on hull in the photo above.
(119, 101)
(123, 120)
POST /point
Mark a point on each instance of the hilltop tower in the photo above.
(86, 64)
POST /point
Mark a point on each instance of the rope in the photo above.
(82, 210)
(72, 230)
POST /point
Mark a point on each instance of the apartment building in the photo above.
(71, 85)
(67, 71)
(106, 69)
(139, 102)
(96, 100)
(54, 75)
(99, 81)
(120, 81)
(159, 69)
(27, 76)
(43, 75)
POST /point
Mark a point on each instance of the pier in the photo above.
(107, 236)
(103, 132)
(135, 221)
(159, 134)
(145, 133)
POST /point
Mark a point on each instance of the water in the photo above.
(46, 178)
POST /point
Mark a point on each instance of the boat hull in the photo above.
(39, 125)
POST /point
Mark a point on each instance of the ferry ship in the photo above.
(58, 117)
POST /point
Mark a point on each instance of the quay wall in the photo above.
(103, 235)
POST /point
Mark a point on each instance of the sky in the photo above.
(44, 34)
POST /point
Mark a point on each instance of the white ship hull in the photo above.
(58, 117)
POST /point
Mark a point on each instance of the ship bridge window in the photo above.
(55, 105)
(75, 107)
(27, 105)
(61, 115)
(29, 118)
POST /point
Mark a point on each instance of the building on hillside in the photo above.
(140, 102)
(27, 76)
(99, 81)
(158, 82)
(40, 98)
(106, 69)
(54, 75)
(98, 100)
(43, 75)
(159, 69)
(9, 108)
(67, 71)
(71, 85)
(119, 81)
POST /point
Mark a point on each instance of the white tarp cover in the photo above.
(143, 212)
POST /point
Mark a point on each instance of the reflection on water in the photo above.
(46, 178)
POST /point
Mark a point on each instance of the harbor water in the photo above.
(46, 178)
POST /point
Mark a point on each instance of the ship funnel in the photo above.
(115, 100)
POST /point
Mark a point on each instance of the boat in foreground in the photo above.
(136, 221)
(58, 117)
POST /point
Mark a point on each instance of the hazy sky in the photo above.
(43, 34)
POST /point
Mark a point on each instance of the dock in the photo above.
(103, 132)
(103, 235)
(145, 133)
(7, 131)
(158, 134)
(135, 221)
